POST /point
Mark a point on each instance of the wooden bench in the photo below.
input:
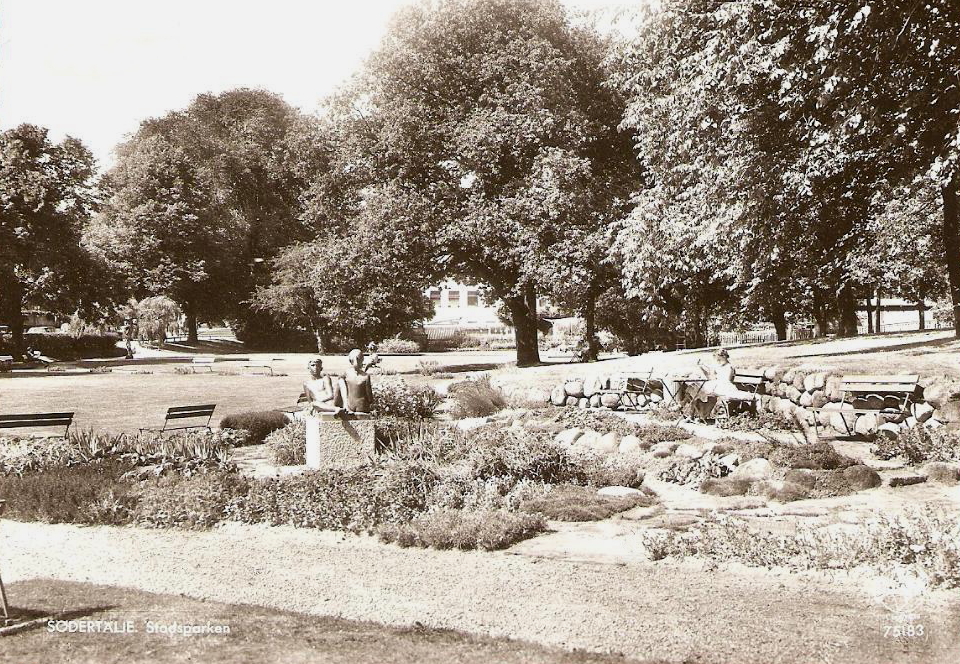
(203, 361)
(177, 413)
(37, 420)
(263, 364)
(6, 363)
(746, 380)
(886, 394)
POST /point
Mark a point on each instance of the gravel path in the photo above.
(642, 610)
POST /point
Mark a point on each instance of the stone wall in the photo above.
(794, 393)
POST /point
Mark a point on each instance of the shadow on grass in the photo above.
(929, 346)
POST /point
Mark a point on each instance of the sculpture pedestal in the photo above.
(340, 442)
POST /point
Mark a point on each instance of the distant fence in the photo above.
(763, 336)
(908, 326)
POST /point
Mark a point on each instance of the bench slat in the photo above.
(878, 388)
(885, 378)
(36, 416)
(752, 380)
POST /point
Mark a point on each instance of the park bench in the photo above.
(177, 413)
(747, 381)
(631, 383)
(261, 364)
(203, 361)
(6, 363)
(37, 420)
(887, 394)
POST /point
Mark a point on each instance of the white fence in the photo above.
(763, 336)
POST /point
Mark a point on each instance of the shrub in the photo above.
(518, 455)
(920, 444)
(186, 453)
(22, 455)
(569, 502)
(927, 542)
(861, 477)
(819, 456)
(259, 424)
(288, 446)
(353, 499)
(394, 398)
(725, 486)
(421, 440)
(68, 347)
(428, 367)
(396, 345)
(86, 493)
(750, 421)
(195, 502)
(459, 529)
(476, 398)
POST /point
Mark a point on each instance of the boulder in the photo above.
(629, 445)
(656, 397)
(907, 480)
(803, 476)
(792, 393)
(618, 491)
(640, 400)
(832, 388)
(592, 386)
(607, 443)
(730, 461)
(921, 411)
(806, 399)
(798, 379)
(595, 401)
(861, 477)
(809, 383)
(933, 424)
(583, 402)
(841, 421)
(588, 439)
(559, 396)
(665, 449)
(890, 431)
(818, 399)
(572, 401)
(941, 391)
(789, 376)
(573, 388)
(773, 374)
(754, 469)
(610, 400)
(909, 423)
(866, 425)
(568, 436)
(944, 473)
(688, 451)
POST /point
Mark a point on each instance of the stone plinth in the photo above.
(339, 442)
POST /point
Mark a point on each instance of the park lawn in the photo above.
(256, 634)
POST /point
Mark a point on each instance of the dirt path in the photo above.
(643, 610)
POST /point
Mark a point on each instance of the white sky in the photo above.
(94, 69)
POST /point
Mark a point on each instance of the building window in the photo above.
(453, 298)
(435, 295)
(473, 298)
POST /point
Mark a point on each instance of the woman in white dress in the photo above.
(719, 385)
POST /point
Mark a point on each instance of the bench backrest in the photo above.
(880, 384)
(35, 420)
(204, 359)
(187, 412)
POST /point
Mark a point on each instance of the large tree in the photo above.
(481, 108)
(225, 176)
(46, 195)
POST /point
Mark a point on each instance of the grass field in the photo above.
(126, 401)
(256, 634)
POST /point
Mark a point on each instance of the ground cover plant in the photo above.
(396, 398)
(462, 529)
(920, 445)
(288, 445)
(569, 502)
(258, 424)
(928, 543)
(649, 434)
(476, 398)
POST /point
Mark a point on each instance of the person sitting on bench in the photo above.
(719, 385)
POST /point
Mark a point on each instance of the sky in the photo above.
(94, 69)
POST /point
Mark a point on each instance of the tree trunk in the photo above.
(847, 304)
(11, 308)
(879, 307)
(951, 243)
(591, 343)
(921, 308)
(819, 315)
(191, 312)
(524, 329)
(323, 341)
(868, 307)
(779, 323)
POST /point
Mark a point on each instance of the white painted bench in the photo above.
(262, 364)
(203, 361)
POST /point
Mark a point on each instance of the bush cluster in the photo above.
(194, 502)
(69, 347)
(920, 445)
(460, 529)
(397, 345)
(288, 446)
(567, 502)
(395, 398)
(598, 420)
(476, 398)
(258, 424)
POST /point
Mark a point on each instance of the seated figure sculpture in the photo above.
(354, 392)
(320, 390)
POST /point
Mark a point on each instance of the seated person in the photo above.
(320, 391)
(719, 385)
